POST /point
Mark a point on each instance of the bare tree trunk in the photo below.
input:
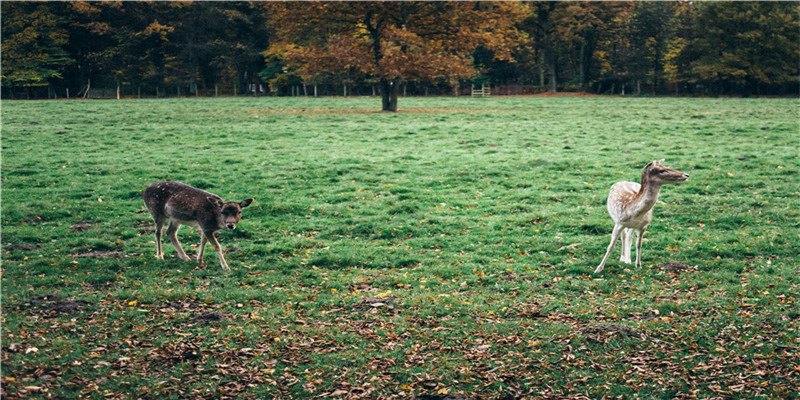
(305, 90)
(388, 95)
(139, 92)
(12, 92)
(541, 68)
(582, 66)
(638, 87)
(117, 90)
(315, 90)
(216, 90)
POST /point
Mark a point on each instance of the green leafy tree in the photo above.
(651, 31)
(745, 47)
(34, 36)
(579, 26)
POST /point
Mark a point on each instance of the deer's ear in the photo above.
(215, 201)
(245, 203)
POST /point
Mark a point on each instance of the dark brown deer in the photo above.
(177, 204)
(630, 205)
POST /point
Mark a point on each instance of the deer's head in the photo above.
(228, 213)
(657, 173)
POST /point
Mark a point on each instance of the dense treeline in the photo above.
(151, 49)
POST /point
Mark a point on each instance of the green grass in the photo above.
(446, 249)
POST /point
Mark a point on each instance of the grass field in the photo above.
(446, 250)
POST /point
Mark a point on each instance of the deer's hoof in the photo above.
(159, 256)
(599, 268)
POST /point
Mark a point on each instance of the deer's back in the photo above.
(180, 202)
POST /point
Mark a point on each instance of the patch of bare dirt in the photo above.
(23, 246)
(55, 303)
(676, 267)
(563, 94)
(368, 303)
(209, 317)
(81, 226)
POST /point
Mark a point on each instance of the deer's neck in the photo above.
(646, 198)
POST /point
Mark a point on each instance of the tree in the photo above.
(115, 42)
(677, 60)
(393, 41)
(746, 47)
(581, 25)
(34, 37)
(650, 33)
(540, 25)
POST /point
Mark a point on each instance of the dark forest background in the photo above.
(159, 49)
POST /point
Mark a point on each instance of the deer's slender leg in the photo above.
(614, 235)
(627, 235)
(171, 232)
(218, 248)
(159, 228)
(202, 248)
(639, 236)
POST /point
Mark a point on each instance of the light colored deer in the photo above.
(177, 204)
(631, 207)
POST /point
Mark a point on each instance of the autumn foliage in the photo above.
(393, 41)
(232, 48)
